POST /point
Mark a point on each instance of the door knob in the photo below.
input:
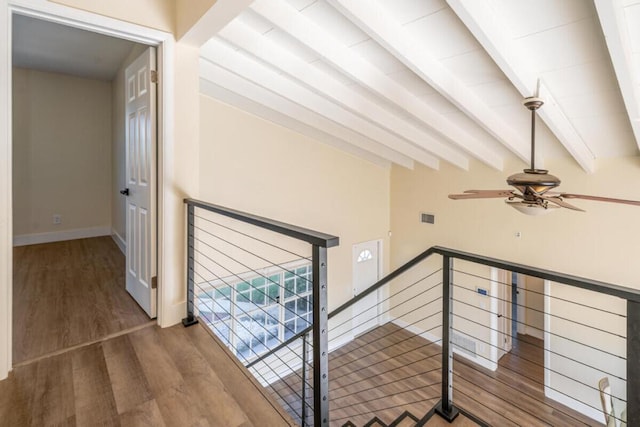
(125, 191)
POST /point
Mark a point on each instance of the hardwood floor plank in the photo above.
(258, 411)
(95, 403)
(54, 391)
(128, 382)
(150, 377)
(67, 293)
(143, 415)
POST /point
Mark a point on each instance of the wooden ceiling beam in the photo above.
(614, 26)
(249, 40)
(223, 74)
(289, 20)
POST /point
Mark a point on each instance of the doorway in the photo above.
(367, 270)
(522, 305)
(68, 165)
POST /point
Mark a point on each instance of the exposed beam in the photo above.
(256, 44)
(322, 42)
(480, 18)
(616, 34)
(223, 55)
(228, 96)
(371, 18)
(258, 95)
(212, 20)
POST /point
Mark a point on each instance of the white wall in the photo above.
(61, 156)
(252, 165)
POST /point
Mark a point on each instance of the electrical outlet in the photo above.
(57, 219)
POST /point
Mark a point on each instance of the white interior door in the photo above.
(141, 180)
(505, 341)
(366, 272)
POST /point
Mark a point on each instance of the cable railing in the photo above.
(446, 333)
(256, 283)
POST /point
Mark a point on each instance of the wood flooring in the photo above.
(69, 293)
(155, 377)
(389, 370)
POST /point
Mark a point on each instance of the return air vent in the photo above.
(427, 218)
(464, 344)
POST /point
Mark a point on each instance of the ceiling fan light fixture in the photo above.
(531, 209)
(537, 180)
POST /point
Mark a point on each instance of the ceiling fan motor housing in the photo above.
(533, 182)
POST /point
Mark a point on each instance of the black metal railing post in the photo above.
(303, 410)
(633, 368)
(320, 338)
(445, 408)
(191, 318)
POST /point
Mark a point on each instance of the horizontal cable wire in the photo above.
(363, 402)
(390, 308)
(248, 344)
(542, 348)
(252, 237)
(261, 376)
(270, 263)
(283, 304)
(537, 346)
(482, 404)
(388, 358)
(536, 381)
(277, 319)
(515, 388)
(460, 286)
(395, 343)
(379, 385)
(488, 279)
(412, 336)
(249, 331)
(404, 314)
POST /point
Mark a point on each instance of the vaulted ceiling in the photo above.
(432, 81)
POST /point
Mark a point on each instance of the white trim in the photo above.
(574, 404)
(60, 236)
(43, 9)
(117, 238)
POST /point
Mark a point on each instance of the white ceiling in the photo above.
(431, 81)
(47, 46)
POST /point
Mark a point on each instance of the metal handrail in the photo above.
(306, 235)
(579, 282)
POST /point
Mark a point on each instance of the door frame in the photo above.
(164, 43)
(380, 246)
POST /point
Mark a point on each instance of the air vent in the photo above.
(427, 218)
(464, 344)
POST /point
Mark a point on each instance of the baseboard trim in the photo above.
(60, 236)
(574, 404)
(117, 238)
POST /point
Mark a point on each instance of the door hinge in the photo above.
(154, 282)
(154, 76)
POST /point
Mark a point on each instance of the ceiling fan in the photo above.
(531, 195)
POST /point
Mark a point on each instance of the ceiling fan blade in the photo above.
(599, 199)
(558, 201)
(483, 194)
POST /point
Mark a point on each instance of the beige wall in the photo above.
(599, 244)
(188, 12)
(158, 14)
(256, 166)
(61, 160)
